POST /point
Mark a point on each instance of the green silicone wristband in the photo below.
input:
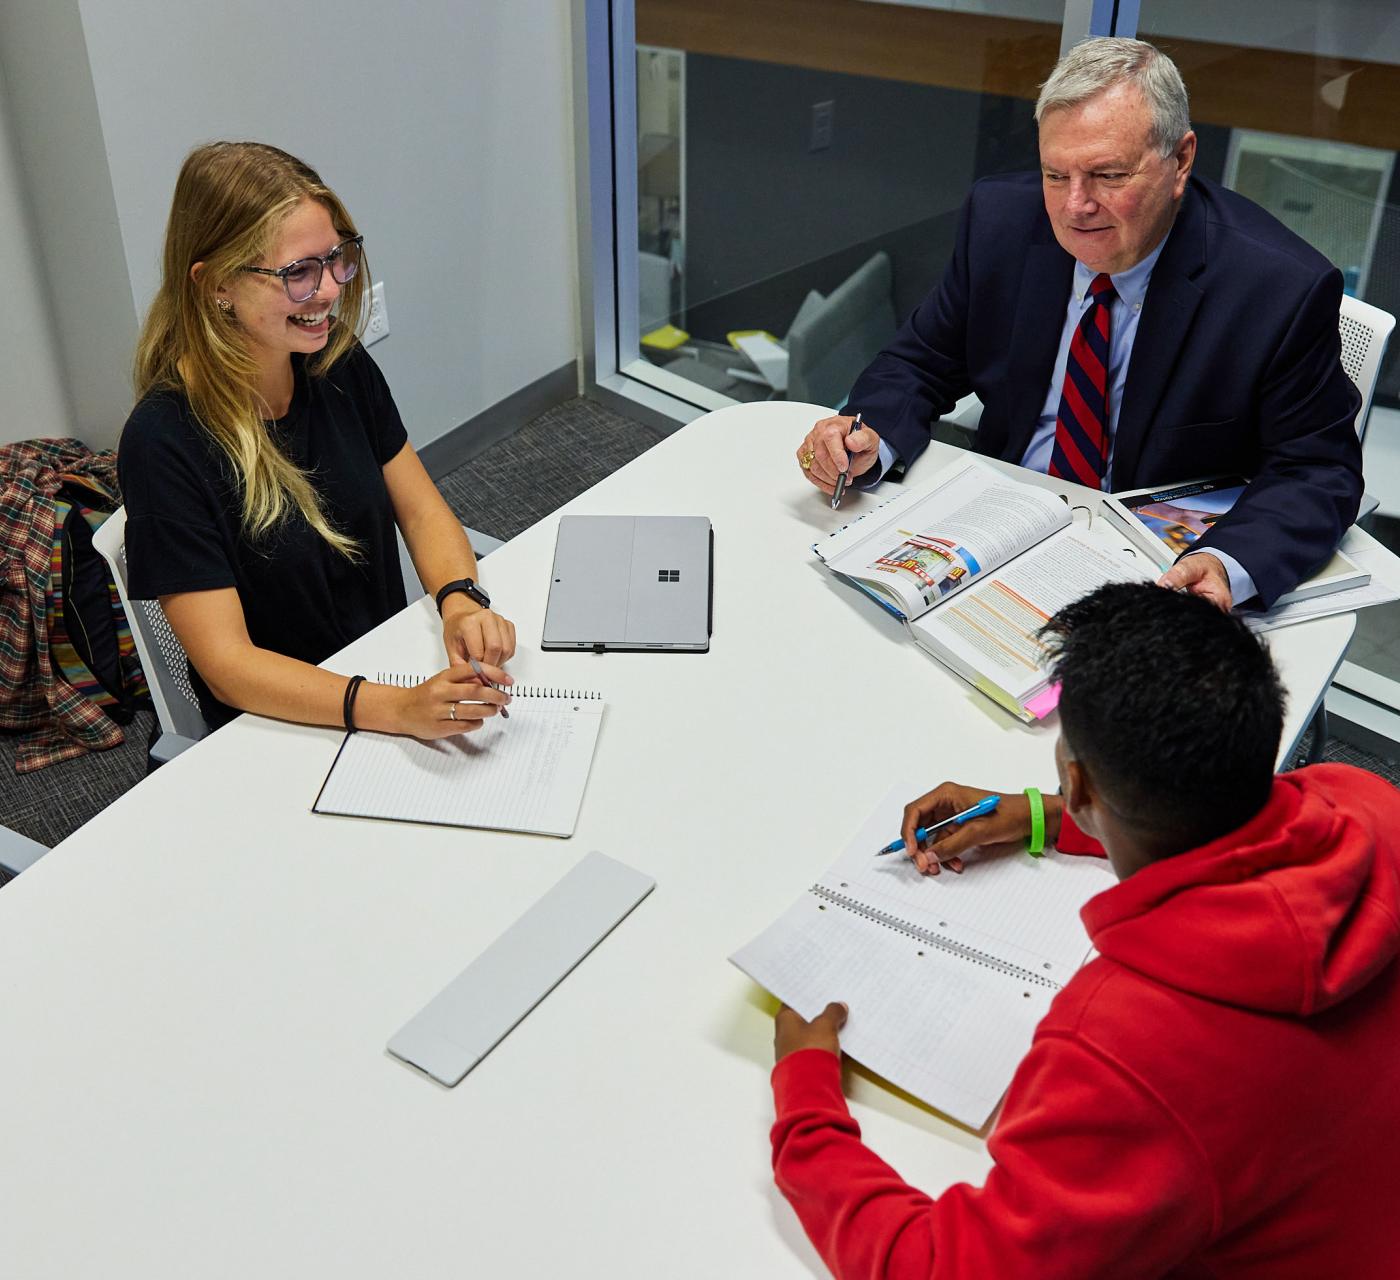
(1036, 847)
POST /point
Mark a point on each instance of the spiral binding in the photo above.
(963, 952)
(404, 680)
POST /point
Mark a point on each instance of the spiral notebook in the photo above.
(945, 977)
(527, 773)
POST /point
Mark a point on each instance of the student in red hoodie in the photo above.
(1218, 1093)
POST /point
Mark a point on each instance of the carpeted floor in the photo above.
(49, 804)
(542, 466)
(501, 492)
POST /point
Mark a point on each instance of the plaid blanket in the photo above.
(58, 721)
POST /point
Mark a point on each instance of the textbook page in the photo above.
(923, 547)
(527, 773)
(989, 634)
(945, 977)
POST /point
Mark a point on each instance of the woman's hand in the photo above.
(452, 702)
(1005, 830)
(469, 631)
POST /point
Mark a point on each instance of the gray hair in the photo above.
(1101, 62)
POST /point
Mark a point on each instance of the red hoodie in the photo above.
(1217, 1095)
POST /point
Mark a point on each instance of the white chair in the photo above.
(18, 853)
(162, 656)
(653, 294)
(1365, 332)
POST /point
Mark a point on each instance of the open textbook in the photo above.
(945, 978)
(1167, 521)
(974, 563)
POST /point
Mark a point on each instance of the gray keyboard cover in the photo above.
(479, 1007)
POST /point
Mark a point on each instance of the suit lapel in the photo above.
(1167, 312)
(1035, 338)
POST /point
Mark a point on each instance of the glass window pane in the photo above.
(800, 167)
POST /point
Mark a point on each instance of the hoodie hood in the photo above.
(1292, 913)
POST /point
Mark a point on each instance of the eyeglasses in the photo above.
(302, 278)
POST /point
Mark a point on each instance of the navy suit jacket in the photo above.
(1236, 367)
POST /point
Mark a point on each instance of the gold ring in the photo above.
(807, 458)
(451, 710)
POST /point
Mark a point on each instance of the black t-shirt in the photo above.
(300, 596)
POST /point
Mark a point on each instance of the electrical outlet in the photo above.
(378, 324)
(823, 125)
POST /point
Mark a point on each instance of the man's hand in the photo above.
(822, 454)
(1201, 574)
(1005, 830)
(791, 1031)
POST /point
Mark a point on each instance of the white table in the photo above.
(198, 985)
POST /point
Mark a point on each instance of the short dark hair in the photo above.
(1173, 707)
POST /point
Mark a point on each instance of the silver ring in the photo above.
(451, 710)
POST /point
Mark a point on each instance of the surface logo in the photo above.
(668, 575)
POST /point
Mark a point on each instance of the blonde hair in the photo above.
(231, 200)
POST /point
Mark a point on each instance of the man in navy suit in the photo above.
(1219, 328)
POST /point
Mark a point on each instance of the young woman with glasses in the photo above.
(265, 465)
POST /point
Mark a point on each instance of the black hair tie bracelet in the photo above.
(351, 690)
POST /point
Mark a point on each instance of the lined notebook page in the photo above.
(945, 1030)
(945, 1007)
(1020, 909)
(527, 773)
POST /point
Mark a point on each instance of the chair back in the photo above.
(162, 656)
(17, 853)
(1365, 331)
(832, 340)
(653, 291)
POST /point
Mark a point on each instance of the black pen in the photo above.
(846, 474)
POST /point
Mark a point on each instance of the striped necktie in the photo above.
(1081, 426)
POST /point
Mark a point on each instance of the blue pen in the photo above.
(980, 809)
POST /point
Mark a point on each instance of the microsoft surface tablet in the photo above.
(631, 583)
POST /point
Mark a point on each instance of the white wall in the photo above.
(444, 125)
(58, 137)
(35, 399)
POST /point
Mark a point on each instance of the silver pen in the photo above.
(476, 666)
(846, 474)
